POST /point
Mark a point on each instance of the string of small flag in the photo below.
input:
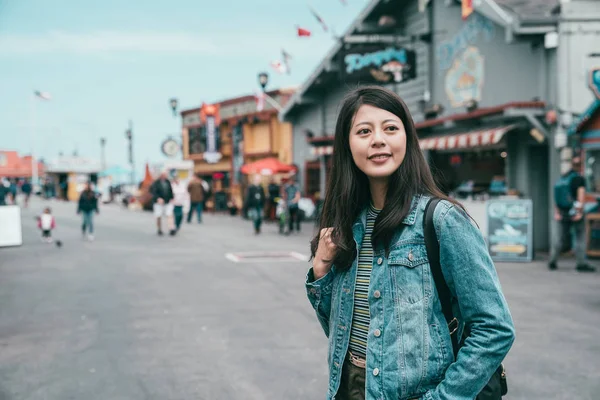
(283, 65)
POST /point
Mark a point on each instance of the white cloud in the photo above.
(107, 41)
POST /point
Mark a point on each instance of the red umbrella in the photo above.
(267, 166)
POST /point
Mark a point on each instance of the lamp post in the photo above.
(102, 152)
(129, 136)
(174, 103)
(263, 80)
(34, 163)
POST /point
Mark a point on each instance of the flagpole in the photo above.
(34, 164)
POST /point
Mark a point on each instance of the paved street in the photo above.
(136, 316)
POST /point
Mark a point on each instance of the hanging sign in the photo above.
(510, 229)
(464, 81)
(376, 64)
(209, 115)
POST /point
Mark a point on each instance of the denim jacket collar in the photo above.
(408, 220)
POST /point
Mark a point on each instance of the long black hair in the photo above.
(348, 191)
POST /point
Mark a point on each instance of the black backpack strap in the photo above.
(433, 254)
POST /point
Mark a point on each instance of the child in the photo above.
(46, 223)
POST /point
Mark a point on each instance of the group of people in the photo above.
(282, 204)
(169, 199)
(10, 188)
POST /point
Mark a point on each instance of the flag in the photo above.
(43, 95)
(303, 32)
(321, 21)
(260, 101)
(286, 60)
(467, 8)
(278, 66)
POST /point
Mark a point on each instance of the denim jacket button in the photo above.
(377, 333)
(313, 290)
(410, 256)
(379, 261)
(376, 371)
(377, 294)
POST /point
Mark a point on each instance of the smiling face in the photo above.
(377, 142)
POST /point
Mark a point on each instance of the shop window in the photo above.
(313, 179)
(197, 140)
(592, 171)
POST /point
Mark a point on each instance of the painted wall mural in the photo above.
(476, 27)
(464, 81)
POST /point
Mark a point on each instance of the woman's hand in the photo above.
(325, 253)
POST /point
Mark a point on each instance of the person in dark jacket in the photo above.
(88, 204)
(255, 203)
(274, 194)
(197, 191)
(162, 197)
(26, 188)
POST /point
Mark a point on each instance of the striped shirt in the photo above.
(360, 316)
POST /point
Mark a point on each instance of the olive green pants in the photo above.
(352, 384)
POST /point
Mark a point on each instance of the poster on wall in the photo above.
(376, 64)
(510, 229)
(464, 81)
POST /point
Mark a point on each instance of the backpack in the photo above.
(562, 192)
(497, 385)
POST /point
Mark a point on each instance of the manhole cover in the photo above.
(266, 256)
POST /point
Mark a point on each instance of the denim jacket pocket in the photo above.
(408, 272)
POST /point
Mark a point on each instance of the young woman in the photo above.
(371, 284)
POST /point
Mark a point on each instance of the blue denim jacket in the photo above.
(412, 357)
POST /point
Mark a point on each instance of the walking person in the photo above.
(87, 206)
(293, 195)
(162, 197)
(274, 195)
(197, 191)
(4, 191)
(26, 189)
(569, 197)
(371, 284)
(180, 200)
(255, 203)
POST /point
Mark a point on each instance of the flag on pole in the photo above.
(286, 60)
(278, 66)
(303, 32)
(319, 19)
(467, 8)
(43, 95)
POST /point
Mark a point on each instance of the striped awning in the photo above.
(475, 139)
(321, 150)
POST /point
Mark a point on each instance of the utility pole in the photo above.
(129, 135)
(102, 153)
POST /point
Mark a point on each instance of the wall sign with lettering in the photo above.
(510, 229)
(475, 27)
(376, 64)
(464, 81)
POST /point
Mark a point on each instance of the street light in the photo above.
(173, 102)
(34, 163)
(129, 136)
(263, 80)
(102, 153)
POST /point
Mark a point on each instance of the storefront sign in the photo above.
(209, 114)
(464, 81)
(477, 25)
(374, 64)
(510, 229)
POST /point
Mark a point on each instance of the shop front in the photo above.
(67, 177)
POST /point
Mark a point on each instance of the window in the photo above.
(592, 171)
(197, 140)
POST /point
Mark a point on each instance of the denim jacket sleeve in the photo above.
(319, 295)
(472, 279)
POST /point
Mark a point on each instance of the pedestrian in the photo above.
(180, 200)
(293, 195)
(569, 197)
(255, 203)
(87, 206)
(274, 194)
(197, 191)
(162, 198)
(26, 189)
(46, 223)
(370, 282)
(4, 191)
(13, 191)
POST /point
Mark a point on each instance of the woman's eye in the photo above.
(363, 131)
(392, 128)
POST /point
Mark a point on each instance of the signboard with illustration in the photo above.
(464, 81)
(510, 229)
(476, 28)
(374, 64)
